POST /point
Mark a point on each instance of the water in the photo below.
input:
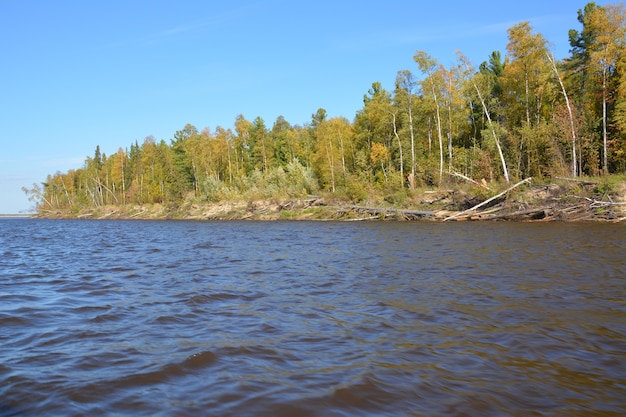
(311, 318)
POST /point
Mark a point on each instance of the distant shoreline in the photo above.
(10, 216)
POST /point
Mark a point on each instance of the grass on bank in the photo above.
(287, 203)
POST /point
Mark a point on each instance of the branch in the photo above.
(488, 200)
(456, 174)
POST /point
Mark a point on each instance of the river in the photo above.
(325, 319)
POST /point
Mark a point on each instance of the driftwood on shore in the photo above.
(383, 212)
(567, 201)
(495, 197)
(466, 178)
(555, 208)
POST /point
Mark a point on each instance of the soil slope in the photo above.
(565, 200)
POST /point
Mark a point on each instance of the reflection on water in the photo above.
(311, 319)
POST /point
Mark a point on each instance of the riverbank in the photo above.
(561, 200)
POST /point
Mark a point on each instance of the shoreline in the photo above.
(536, 203)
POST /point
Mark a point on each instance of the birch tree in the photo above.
(552, 61)
(406, 84)
(475, 81)
(427, 66)
(527, 92)
(608, 23)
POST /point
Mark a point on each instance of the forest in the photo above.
(518, 115)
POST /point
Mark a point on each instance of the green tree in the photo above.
(608, 24)
(527, 92)
(480, 82)
(261, 147)
(221, 151)
(374, 124)
(182, 178)
(432, 86)
(155, 160)
(243, 159)
(592, 74)
(405, 86)
(280, 139)
(333, 136)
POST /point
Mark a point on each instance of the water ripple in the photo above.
(311, 319)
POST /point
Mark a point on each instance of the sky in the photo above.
(77, 74)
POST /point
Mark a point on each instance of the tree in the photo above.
(405, 85)
(93, 181)
(395, 132)
(220, 151)
(608, 24)
(476, 80)
(135, 173)
(36, 194)
(592, 74)
(550, 58)
(525, 72)
(526, 90)
(182, 176)
(333, 137)
(619, 116)
(155, 161)
(243, 159)
(118, 168)
(373, 124)
(455, 105)
(379, 155)
(577, 65)
(431, 85)
(261, 147)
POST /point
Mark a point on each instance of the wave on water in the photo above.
(311, 319)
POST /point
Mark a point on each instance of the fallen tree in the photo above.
(484, 203)
(564, 200)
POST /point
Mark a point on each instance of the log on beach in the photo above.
(467, 213)
(383, 212)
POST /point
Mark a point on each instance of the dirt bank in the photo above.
(564, 200)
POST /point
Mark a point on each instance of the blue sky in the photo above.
(76, 74)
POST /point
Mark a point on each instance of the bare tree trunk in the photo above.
(450, 123)
(438, 133)
(605, 158)
(395, 132)
(449, 138)
(527, 97)
(230, 166)
(569, 111)
(123, 180)
(67, 194)
(343, 156)
(454, 216)
(331, 164)
(493, 132)
(264, 155)
(430, 138)
(412, 135)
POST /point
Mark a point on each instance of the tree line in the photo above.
(524, 114)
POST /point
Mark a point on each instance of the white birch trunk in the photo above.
(569, 111)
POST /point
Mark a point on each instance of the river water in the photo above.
(311, 318)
